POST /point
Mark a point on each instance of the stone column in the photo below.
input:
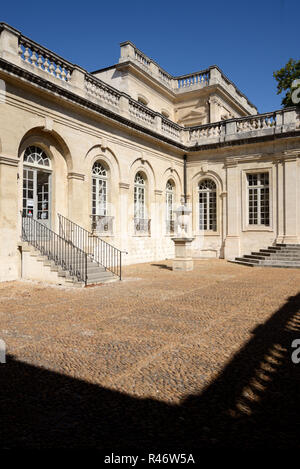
(291, 198)
(10, 220)
(232, 241)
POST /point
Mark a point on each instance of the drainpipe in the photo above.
(184, 178)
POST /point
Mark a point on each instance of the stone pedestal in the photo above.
(182, 260)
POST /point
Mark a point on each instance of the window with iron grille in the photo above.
(207, 192)
(258, 199)
(139, 196)
(100, 186)
(169, 207)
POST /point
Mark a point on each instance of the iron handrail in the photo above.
(55, 247)
(98, 250)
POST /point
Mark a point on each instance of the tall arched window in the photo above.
(102, 221)
(139, 196)
(36, 185)
(100, 188)
(141, 223)
(207, 205)
(170, 194)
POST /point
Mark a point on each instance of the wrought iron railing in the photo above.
(101, 252)
(102, 224)
(170, 227)
(55, 247)
(142, 225)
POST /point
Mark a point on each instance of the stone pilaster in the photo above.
(232, 240)
(124, 217)
(10, 219)
(158, 226)
(280, 201)
(291, 198)
(78, 205)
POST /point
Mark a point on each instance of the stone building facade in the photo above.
(115, 151)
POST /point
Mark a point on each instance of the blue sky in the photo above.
(247, 40)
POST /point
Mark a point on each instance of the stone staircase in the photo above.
(35, 266)
(279, 255)
(98, 274)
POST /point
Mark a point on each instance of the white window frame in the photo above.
(245, 199)
(140, 190)
(199, 229)
(97, 181)
(169, 206)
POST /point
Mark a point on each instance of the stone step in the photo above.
(95, 268)
(107, 278)
(286, 256)
(280, 262)
(254, 256)
(96, 275)
(289, 249)
(280, 255)
(241, 261)
(276, 253)
(297, 246)
(258, 253)
(247, 261)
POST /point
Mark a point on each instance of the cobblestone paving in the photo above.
(162, 359)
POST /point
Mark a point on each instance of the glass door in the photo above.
(36, 195)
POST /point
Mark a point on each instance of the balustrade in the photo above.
(265, 121)
(140, 112)
(200, 79)
(100, 90)
(39, 57)
(170, 128)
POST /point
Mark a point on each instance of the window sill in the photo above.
(207, 233)
(103, 233)
(258, 228)
(142, 235)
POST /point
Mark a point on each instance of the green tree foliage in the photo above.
(285, 78)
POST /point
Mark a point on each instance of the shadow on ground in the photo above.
(255, 401)
(162, 266)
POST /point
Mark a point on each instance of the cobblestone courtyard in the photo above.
(160, 360)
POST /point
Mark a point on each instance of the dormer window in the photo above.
(143, 100)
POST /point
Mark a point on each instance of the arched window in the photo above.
(139, 196)
(207, 205)
(100, 189)
(170, 193)
(37, 185)
(35, 156)
(141, 222)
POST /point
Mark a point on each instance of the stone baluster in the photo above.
(51, 68)
(26, 54)
(40, 61)
(46, 63)
(34, 57)
(58, 67)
